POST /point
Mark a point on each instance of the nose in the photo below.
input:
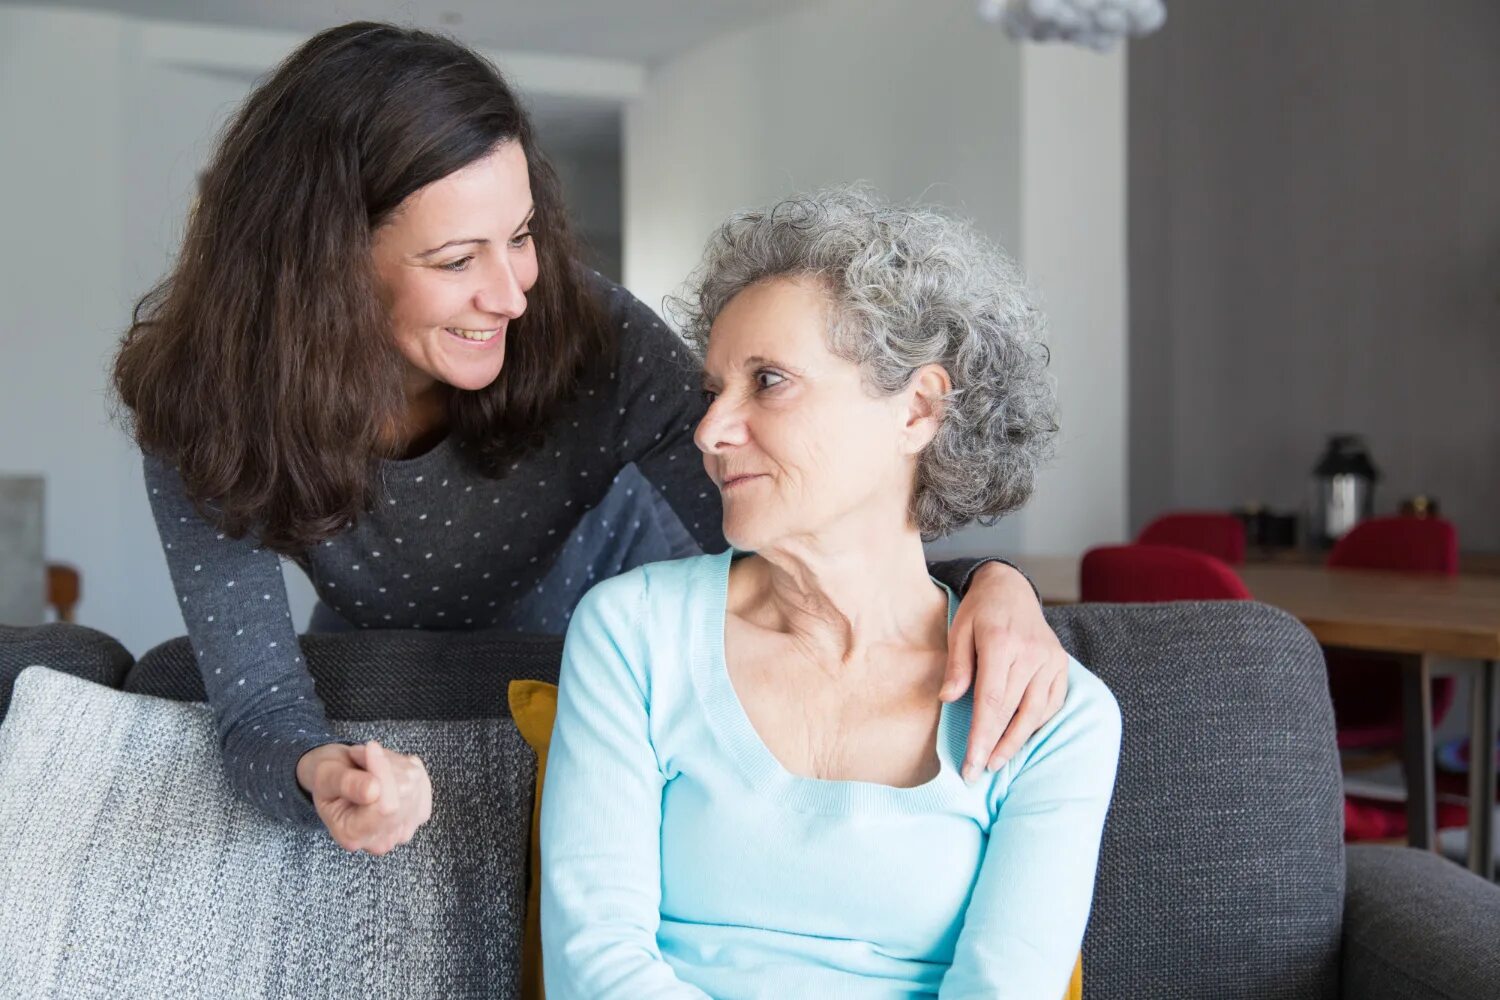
(502, 293)
(721, 429)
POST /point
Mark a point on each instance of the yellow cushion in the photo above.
(533, 706)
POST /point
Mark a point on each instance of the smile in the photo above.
(733, 481)
(474, 336)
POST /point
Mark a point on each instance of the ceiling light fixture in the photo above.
(1098, 24)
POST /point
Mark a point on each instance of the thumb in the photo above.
(359, 787)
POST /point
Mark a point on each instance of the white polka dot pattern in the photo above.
(526, 545)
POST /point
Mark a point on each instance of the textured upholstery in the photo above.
(1439, 943)
(1222, 870)
(1138, 573)
(1214, 534)
(131, 870)
(396, 674)
(73, 649)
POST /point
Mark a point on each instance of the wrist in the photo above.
(1001, 573)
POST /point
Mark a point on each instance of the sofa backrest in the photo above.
(72, 649)
(385, 674)
(1222, 868)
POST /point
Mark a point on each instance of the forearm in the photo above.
(234, 606)
(601, 816)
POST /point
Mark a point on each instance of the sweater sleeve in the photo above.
(957, 574)
(1026, 918)
(234, 603)
(660, 401)
(601, 814)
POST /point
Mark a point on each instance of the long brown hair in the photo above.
(262, 366)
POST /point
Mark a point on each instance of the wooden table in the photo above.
(1416, 615)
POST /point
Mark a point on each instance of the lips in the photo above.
(740, 478)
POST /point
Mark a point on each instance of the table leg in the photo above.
(1483, 725)
(1416, 752)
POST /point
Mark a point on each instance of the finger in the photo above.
(369, 825)
(359, 787)
(336, 816)
(425, 813)
(328, 780)
(1030, 715)
(960, 671)
(997, 693)
(378, 760)
(357, 754)
(1058, 693)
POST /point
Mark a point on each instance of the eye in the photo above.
(519, 242)
(709, 396)
(764, 374)
(462, 264)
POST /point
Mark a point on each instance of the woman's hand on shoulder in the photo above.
(1001, 643)
(370, 798)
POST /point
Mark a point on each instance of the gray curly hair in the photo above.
(910, 287)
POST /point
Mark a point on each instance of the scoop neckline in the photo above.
(731, 727)
(442, 447)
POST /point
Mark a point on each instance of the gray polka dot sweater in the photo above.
(444, 548)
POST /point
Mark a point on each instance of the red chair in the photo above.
(1219, 535)
(1368, 818)
(1366, 688)
(1132, 573)
(1403, 544)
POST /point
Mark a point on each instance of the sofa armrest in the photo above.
(1417, 927)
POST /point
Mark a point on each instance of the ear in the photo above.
(925, 400)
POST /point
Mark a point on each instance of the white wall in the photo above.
(62, 295)
(923, 101)
(106, 120)
(591, 182)
(1073, 194)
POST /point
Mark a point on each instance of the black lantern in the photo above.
(1344, 487)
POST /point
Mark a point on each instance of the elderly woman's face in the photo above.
(793, 439)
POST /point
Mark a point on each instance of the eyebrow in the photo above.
(480, 241)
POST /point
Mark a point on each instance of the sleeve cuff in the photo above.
(959, 573)
(263, 770)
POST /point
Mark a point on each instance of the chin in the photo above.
(745, 534)
(471, 381)
(474, 375)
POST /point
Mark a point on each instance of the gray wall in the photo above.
(1315, 247)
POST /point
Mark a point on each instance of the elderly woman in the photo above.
(754, 788)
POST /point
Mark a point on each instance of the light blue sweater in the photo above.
(680, 859)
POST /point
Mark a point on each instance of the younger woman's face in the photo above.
(455, 262)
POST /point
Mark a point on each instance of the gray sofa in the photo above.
(1222, 875)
